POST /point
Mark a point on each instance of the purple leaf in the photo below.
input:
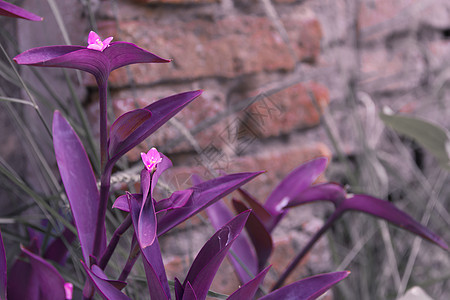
(98, 63)
(79, 182)
(387, 211)
(297, 181)
(176, 200)
(151, 257)
(258, 209)
(104, 288)
(248, 290)
(307, 289)
(219, 215)
(125, 125)
(51, 284)
(122, 202)
(321, 192)
(162, 110)
(57, 250)
(179, 290)
(189, 293)
(203, 195)
(211, 255)
(10, 10)
(22, 275)
(3, 269)
(260, 237)
(99, 273)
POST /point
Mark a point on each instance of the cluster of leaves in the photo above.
(151, 218)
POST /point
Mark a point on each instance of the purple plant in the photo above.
(149, 217)
(10, 10)
(298, 189)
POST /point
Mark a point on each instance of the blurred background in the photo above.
(284, 81)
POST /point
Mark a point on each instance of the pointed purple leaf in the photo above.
(298, 180)
(51, 284)
(57, 250)
(147, 224)
(79, 182)
(203, 196)
(125, 125)
(189, 293)
(104, 288)
(3, 269)
(321, 192)
(99, 273)
(208, 260)
(98, 63)
(248, 290)
(122, 202)
(259, 210)
(151, 257)
(176, 200)
(387, 211)
(260, 237)
(22, 275)
(10, 10)
(219, 215)
(179, 290)
(307, 289)
(121, 54)
(162, 110)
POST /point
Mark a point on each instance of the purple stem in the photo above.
(132, 258)
(114, 241)
(106, 169)
(337, 213)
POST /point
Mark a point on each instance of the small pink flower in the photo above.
(68, 288)
(95, 42)
(151, 159)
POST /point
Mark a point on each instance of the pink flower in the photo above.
(151, 159)
(68, 289)
(95, 42)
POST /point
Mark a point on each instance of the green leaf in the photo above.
(430, 136)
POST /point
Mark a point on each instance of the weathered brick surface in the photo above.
(175, 1)
(287, 110)
(226, 47)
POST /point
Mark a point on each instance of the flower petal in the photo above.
(208, 260)
(79, 182)
(307, 289)
(93, 37)
(387, 211)
(10, 10)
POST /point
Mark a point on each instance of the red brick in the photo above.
(228, 47)
(287, 110)
(175, 1)
(385, 70)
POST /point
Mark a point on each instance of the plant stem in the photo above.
(105, 168)
(337, 213)
(134, 255)
(114, 241)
